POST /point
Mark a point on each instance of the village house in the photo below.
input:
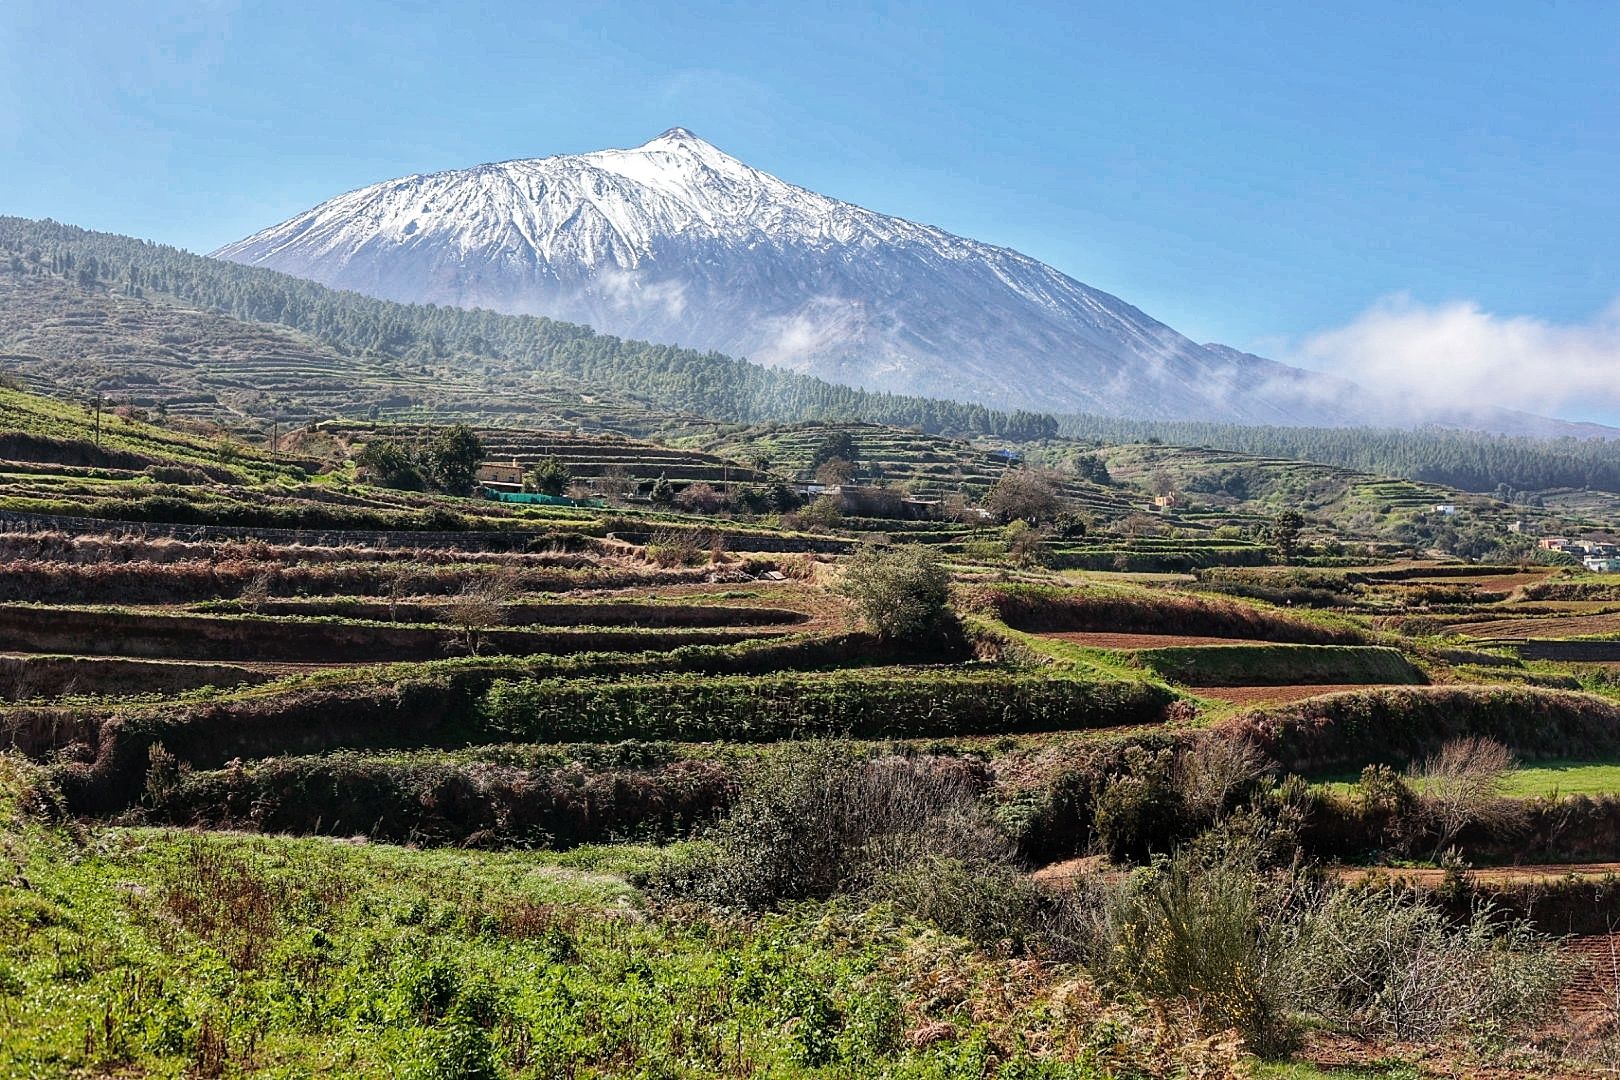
(495, 475)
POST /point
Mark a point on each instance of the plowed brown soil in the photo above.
(1557, 627)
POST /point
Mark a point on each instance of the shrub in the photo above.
(1140, 810)
(1249, 948)
(1206, 934)
(1375, 961)
(700, 498)
(901, 592)
(1026, 544)
(817, 820)
(392, 464)
(668, 548)
(1463, 784)
(823, 514)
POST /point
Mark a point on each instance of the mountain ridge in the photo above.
(676, 241)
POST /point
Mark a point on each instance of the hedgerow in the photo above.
(1045, 609)
(1397, 726)
(441, 802)
(867, 704)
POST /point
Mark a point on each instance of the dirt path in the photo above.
(1430, 876)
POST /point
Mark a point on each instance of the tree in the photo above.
(835, 444)
(1023, 495)
(1092, 467)
(549, 476)
(453, 458)
(825, 513)
(1026, 544)
(835, 472)
(663, 492)
(700, 498)
(615, 482)
(390, 463)
(480, 605)
(901, 592)
(1285, 530)
(1465, 784)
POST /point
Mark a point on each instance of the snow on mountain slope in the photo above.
(675, 241)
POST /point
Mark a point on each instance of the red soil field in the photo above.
(1519, 629)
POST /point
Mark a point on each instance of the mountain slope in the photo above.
(676, 241)
(88, 311)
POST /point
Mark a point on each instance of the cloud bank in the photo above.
(1457, 355)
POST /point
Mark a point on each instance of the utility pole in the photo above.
(98, 419)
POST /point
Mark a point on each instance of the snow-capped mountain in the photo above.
(675, 241)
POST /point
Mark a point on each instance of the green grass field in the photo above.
(1541, 778)
(1566, 778)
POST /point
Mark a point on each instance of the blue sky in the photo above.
(1310, 181)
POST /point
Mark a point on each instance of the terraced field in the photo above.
(924, 464)
(250, 737)
(592, 458)
(1565, 626)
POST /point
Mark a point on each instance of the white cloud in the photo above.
(631, 291)
(1459, 355)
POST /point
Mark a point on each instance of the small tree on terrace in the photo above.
(1464, 784)
(549, 476)
(390, 463)
(700, 498)
(1285, 530)
(663, 492)
(454, 456)
(1026, 544)
(1023, 495)
(835, 472)
(835, 445)
(901, 592)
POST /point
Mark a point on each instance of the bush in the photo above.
(1206, 934)
(818, 820)
(1251, 948)
(548, 476)
(1375, 961)
(901, 592)
(1140, 810)
(670, 548)
(700, 498)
